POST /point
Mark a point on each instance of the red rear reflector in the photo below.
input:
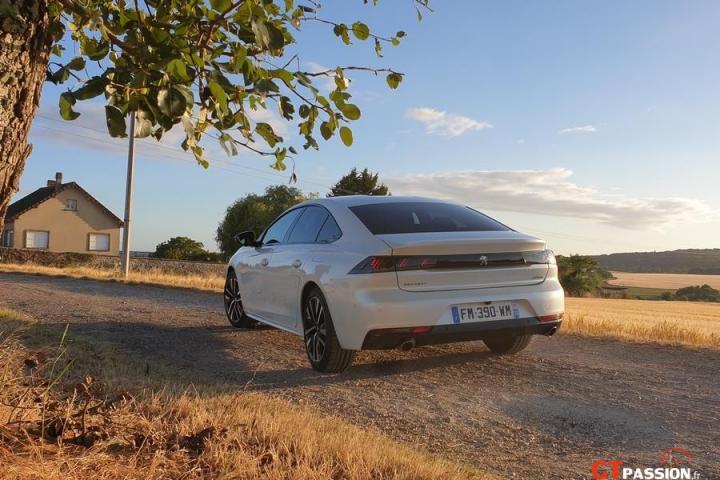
(551, 318)
(420, 329)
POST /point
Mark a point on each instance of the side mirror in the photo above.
(246, 239)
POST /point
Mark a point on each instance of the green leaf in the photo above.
(393, 80)
(115, 121)
(66, 103)
(351, 112)
(360, 30)
(94, 49)
(262, 36)
(346, 136)
(77, 63)
(280, 155)
(276, 37)
(171, 102)
(227, 144)
(60, 76)
(91, 89)
(341, 31)
(267, 132)
(220, 5)
(177, 70)
(378, 48)
(219, 94)
(325, 130)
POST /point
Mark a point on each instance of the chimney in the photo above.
(58, 180)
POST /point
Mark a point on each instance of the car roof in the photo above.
(353, 200)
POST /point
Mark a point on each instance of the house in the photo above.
(62, 217)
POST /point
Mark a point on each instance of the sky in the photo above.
(593, 125)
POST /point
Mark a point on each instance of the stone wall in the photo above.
(51, 259)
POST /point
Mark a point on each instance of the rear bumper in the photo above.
(392, 338)
(374, 302)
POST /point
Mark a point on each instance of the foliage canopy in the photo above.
(184, 248)
(580, 275)
(209, 65)
(254, 213)
(359, 183)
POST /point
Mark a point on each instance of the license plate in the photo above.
(478, 312)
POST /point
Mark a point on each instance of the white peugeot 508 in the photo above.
(365, 272)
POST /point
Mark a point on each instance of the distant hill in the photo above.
(699, 261)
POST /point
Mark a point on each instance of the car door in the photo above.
(263, 290)
(291, 261)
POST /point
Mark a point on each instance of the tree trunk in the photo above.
(24, 51)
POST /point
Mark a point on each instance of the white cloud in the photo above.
(443, 123)
(549, 192)
(583, 129)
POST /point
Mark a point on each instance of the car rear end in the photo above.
(450, 274)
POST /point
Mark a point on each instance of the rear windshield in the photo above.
(422, 217)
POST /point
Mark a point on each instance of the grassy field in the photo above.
(685, 323)
(671, 281)
(695, 324)
(75, 409)
(197, 282)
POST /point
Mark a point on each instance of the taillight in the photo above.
(375, 265)
(387, 263)
(382, 264)
(545, 257)
(551, 318)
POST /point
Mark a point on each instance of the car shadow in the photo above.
(217, 356)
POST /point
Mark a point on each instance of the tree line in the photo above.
(255, 212)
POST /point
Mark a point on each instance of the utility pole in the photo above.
(128, 198)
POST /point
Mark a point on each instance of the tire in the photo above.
(233, 304)
(508, 345)
(321, 343)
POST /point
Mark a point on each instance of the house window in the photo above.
(7, 239)
(37, 239)
(71, 204)
(99, 242)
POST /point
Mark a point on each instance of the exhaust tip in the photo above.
(407, 345)
(552, 331)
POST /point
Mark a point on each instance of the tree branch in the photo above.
(332, 73)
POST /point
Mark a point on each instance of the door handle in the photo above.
(264, 262)
(297, 264)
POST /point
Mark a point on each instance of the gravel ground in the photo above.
(548, 412)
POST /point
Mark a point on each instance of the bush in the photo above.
(183, 248)
(704, 293)
(580, 275)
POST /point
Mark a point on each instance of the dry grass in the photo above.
(684, 323)
(663, 280)
(694, 324)
(58, 424)
(153, 277)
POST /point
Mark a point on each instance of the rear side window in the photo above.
(329, 231)
(276, 232)
(306, 229)
(423, 217)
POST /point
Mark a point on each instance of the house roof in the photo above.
(45, 193)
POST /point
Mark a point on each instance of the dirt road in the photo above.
(546, 413)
